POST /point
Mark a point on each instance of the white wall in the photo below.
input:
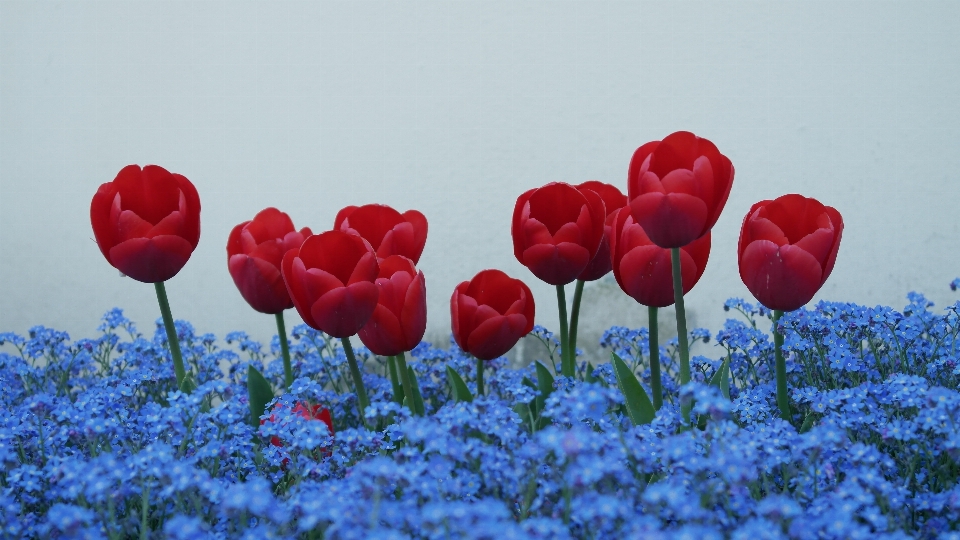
(455, 108)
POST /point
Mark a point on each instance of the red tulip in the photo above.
(677, 188)
(314, 412)
(787, 249)
(146, 222)
(330, 279)
(557, 230)
(400, 318)
(490, 313)
(613, 200)
(644, 270)
(255, 252)
(389, 232)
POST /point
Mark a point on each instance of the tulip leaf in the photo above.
(460, 390)
(721, 379)
(545, 386)
(589, 374)
(260, 393)
(394, 380)
(639, 408)
(416, 400)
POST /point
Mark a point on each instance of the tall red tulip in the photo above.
(490, 313)
(146, 222)
(255, 252)
(613, 200)
(644, 270)
(557, 230)
(677, 188)
(388, 231)
(400, 318)
(787, 249)
(331, 280)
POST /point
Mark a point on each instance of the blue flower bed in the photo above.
(95, 441)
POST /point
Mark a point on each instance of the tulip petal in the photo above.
(151, 260)
(763, 229)
(130, 226)
(676, 151)
(343, 311)
(495, 336)
(413, 316)
(556, 204)
(636, 164)
(556, 265)
(819, 244)
(671, 220)
(260, 284)
(780, 277)
(382, 334)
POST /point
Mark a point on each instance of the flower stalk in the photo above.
(681, 327)
(357, 376)
(284, 350)
(172, 339)
(780, 367)
(656, 385)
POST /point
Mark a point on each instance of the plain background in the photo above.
(455, 108)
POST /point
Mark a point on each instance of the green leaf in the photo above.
(639, 408)
(260, 393)
(545, 386)
(417, 400)
(395, 380)
(460, 390)
(721, 379)
(589, 375)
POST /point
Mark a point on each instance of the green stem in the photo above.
(405, 381)
(172, 340)
(566, 367)
(574, 320)
(681, 326)
(285, 350)
(780, 366)
(357, 376)
(479, 377)
(655, 385)
(144, 512)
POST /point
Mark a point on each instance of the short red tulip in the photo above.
(389, 232)
(146, 222)
(255, 252)
(400, 318)
(787, 249)
(613, 200)
(490, 313)
(678, 187)
(314, 412)
(557, 230)
(331, 280)
(645, 271)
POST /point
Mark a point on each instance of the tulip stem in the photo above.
(357, 377)
(406, 382)
(681, 327)
(172, 340)
(284, 350)
(655, 384)
(479, 377)
(780, 366)
(575, 318)
(566, 365)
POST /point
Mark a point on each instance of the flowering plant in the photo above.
(837, 421)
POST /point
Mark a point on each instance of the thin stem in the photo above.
(681, 326)
(405, 381)
(285, 350)
(780, 366)
(479, 377)
(655, 383)
(357, 377)
(172, 340)
(566, 367)
(574, 319)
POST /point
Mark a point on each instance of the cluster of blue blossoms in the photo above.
(96, 442)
